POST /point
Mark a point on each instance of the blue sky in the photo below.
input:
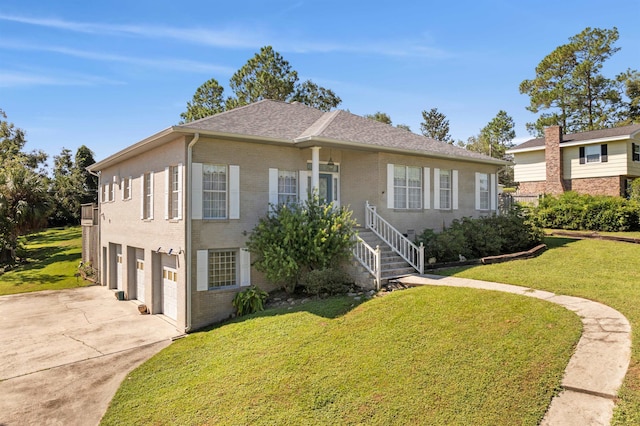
(107, 74)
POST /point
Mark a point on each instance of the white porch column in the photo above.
(315, 170)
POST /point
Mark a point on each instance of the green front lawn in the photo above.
(605, 271)
(52, 260)
(430, 355)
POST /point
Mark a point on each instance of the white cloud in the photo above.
(11, 79)
(241, 37)
(161, 63)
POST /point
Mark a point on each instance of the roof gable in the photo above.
(593, 135)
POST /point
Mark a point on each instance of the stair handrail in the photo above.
(369, 257)
(411, 253)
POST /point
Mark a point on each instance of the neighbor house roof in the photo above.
(297, 124)
(594, 136)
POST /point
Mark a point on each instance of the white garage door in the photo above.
(119, 271)
(170, 293)
(140, 280)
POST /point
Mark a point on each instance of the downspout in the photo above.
(188, 250)
(99, 226)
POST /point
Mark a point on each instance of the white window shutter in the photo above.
(302, 186)
(454, 189)
(112, 193)
(436, 188)
(234, 192)
(245, 267)
(151, 207)
(196, 190)
(390, 192)
(273, 187)
(493, 191)
(478, 190)
(142, 197)
(426, 188)
(122, 188)
(167, 179)
(179, 190)
(202, 270)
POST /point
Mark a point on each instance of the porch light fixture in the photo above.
(330, 163)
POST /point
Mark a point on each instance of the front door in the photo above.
(140, 280)
(119, 271)
(326, 187)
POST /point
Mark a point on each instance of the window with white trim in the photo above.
(592, 153)
(222, 268)
(214, 191)
(147, 197)
(444, 191)
(174, 192)
(112, 190)
(483, 190)
(407, 187)
(287, 187)
(126, 188)
(104, 193)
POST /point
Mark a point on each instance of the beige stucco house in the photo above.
(599, 162)
(176, 209)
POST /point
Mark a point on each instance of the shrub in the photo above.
(295, 239)
(486, 236)
(332, 281)
(575, 211)
(249, 301)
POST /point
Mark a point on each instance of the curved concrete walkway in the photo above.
(596, 369)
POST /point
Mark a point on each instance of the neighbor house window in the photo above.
(214, 191)
(445, 189)
(483, 190)
(222, 268)
(592, 153)
(635, 148)
(407, 187)
(147, 196)
(287, 187)
(112, 190)
(174, 192)
(126, 188)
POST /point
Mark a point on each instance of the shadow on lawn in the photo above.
(330, 308)
(557, 242)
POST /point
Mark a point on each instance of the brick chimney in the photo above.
(553, 159)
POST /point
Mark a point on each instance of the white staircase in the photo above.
(392, 265)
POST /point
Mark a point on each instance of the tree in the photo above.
(87, 184)
(208, 100)
(382, 117)
(404, 127)
(630, 84)
(295, 239)
(66, 206)
(311, 94)
(265, 76)
(498, 134)
(12, 142)
(569, 84)
(435, 125)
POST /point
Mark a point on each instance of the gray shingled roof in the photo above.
(296, 122)
(584, 136)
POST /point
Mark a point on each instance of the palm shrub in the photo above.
(249, 300)
(294, 239)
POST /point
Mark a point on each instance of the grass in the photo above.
(52, 260)
(437, 355)
(604, 271)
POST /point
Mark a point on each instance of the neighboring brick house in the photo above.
(599, 162)
(176, 209)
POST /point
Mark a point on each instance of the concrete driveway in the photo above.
(63, 354)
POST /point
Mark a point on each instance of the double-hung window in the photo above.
(592, 153)
(407, 187)
(173, 192)
(483, 191)
(635, 148)
(214, 191)
(445, 189)
(126, 188)
(287, 187)
(147, 195)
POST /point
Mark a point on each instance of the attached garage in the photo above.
(140, 279)
(170, 293)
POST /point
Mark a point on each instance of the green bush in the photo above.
(575, 211)
(486, 236)
(249, 301)
(295, 239)
(330, 280)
